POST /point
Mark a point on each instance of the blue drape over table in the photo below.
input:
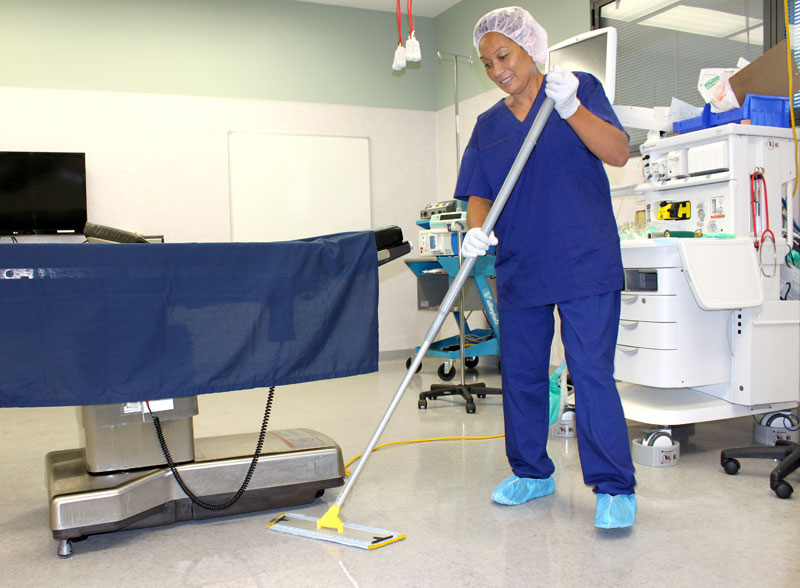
(102, 323)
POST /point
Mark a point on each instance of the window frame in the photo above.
(774, 30)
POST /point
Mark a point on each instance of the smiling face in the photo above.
(508, 65)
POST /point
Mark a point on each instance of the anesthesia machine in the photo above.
(705, 333)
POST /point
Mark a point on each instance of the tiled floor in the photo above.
(696, 525)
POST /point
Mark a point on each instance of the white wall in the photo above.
(469, 110)
(158, 164)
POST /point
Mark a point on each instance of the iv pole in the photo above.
(461, 320)
(463, 389)
(468, 60)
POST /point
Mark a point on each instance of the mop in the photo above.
(330, 527)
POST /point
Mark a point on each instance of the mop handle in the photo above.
(493, 215)
(455, 287)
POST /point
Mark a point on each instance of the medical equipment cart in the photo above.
(479, 342)
(704, 332)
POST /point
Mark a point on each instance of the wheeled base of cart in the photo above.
(449, 350)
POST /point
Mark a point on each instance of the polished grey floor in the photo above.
(696, 525)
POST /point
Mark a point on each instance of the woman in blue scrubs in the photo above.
(557, 245)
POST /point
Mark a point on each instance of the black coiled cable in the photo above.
(233, 499)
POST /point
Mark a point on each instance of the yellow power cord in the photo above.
(421, 441)
(791, 95)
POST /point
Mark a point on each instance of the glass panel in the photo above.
(663, 45)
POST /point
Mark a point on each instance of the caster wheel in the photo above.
(470, 362)
(471, 408)
(422, 404)
(731, 466)
(447, 376)
(657, 439)
(408, 364)
(783, 490)
(65, 548)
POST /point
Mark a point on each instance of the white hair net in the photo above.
(518, 25)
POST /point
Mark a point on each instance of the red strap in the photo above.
(399, 24)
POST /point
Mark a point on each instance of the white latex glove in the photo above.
(562, 87)
(477, 243)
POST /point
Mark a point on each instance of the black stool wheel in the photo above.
(783, 490)
(731, 466)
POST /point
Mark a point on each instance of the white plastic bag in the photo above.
(680, 110)
(715, 88)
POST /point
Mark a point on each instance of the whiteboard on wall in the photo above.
(285, 187)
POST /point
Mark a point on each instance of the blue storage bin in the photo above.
(694, 124)
(768, 111)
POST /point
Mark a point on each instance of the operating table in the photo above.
(120, 478)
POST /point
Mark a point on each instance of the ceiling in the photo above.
(429, 8)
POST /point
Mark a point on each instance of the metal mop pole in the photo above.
(447, 304)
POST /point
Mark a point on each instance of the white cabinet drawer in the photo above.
(662, 280)
(639, 306)
(648, 367)
(648, 335)
(670, 368)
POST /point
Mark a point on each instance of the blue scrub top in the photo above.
(558, 235)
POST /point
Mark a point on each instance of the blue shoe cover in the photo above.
(615, 512)
(514, 490)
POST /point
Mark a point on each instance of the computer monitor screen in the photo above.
(594, 52)
(42, 193)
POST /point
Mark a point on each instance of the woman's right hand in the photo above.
(477, 243)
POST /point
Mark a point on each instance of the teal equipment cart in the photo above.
(478, 342)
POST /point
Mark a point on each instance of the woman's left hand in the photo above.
(562, 87)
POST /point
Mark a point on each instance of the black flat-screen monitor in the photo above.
(42, 193)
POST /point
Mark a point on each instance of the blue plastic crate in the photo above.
(694, 124)
(767, 111)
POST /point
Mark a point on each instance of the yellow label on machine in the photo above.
(675, 210)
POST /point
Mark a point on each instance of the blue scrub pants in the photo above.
(589, 333)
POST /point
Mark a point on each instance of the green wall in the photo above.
(265, 49)
(262, 49)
